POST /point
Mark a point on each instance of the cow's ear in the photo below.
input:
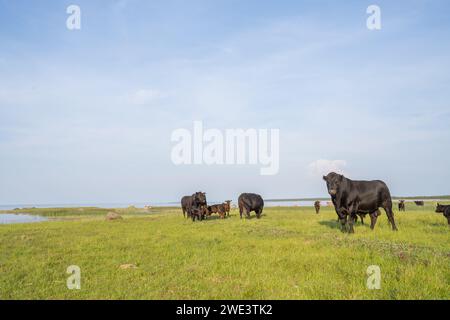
(324, 178)
(341, 177)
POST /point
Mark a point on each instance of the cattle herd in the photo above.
(196, 207)
(351, 198)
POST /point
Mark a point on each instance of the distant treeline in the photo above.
(424, 197)
(447, 197)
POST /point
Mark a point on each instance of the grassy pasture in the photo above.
(291, 253)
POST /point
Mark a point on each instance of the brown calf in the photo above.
(217, 208)
(227, 207)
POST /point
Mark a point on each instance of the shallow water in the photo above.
(267, 203)
(8, 218)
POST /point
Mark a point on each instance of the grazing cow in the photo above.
(227, 204)
(218, 208)
(197, 200)
(358, 197)
(317, 206)
(249, 202)
(445, 209)
(401, 205)
(419, 203)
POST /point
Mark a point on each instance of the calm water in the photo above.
(8, 218)
(155, 204)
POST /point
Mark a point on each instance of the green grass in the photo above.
(291, 253)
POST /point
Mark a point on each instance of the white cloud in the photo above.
(323, 167)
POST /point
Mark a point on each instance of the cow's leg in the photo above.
(343, 224)
(352, 216)
(373, 219)
(362, 218)
(240, 211)
(342, 218)
(188, 212)
(390, 214)
(247, 211)
(258, 213)
(351, 220)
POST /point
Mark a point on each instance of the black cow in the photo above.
(401, 205)
(419, 203)
(317, 206)
(249, 202)
(445, 209)
(197, 200)
(358, 197)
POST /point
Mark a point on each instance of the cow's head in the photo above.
(200, 198)
(333, 181)
(440, 208)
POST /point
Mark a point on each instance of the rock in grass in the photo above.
(128, 266)
(113, 216)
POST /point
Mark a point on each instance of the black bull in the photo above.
(358, 197)
(248, 202)
(195, 201)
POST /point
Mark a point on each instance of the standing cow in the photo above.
(249, 202)
(401, 205)
(197, 200)
(317, 206)
(358, 197)
(445, 209)
(419, 203)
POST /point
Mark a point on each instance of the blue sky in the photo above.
(86, 116)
